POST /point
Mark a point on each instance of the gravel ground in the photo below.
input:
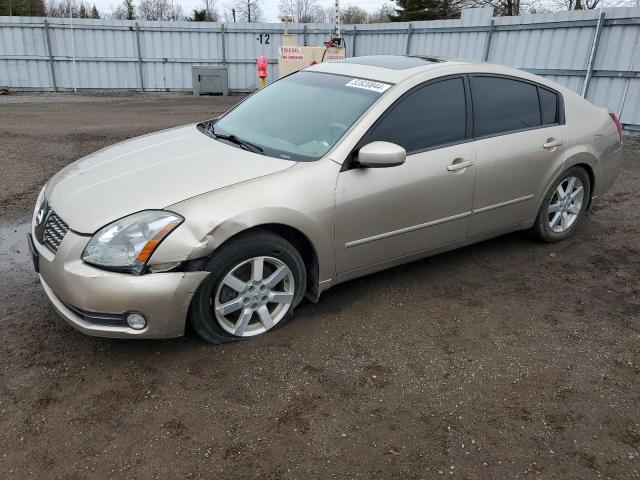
(506, 359)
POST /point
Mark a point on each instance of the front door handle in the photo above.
(551, 143)
(459, 165)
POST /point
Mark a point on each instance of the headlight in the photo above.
(40, 208)
(127, 244)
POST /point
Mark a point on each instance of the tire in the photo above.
(233, 284)
(559, 216)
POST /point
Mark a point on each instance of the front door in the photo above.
(388, 213)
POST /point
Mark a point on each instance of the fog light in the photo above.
(136, 320)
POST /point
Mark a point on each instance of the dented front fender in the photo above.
(301, 198)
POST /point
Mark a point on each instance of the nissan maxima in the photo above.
(337, 171)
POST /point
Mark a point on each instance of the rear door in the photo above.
(521, 137)
(387, 213)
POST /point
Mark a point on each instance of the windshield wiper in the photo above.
(233, 139)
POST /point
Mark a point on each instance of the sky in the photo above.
(270, 7)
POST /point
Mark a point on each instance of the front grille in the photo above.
(54, 231)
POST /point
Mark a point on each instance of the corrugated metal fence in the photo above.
(594, 52)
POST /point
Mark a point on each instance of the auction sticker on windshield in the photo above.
(368, 85)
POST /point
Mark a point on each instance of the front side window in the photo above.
(302, 116)
(429, 116)
(502, 105)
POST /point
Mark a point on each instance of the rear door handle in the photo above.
(460, 165)
(552, 143)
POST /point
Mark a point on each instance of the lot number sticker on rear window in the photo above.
(368, 85)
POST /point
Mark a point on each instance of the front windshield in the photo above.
(302, 116)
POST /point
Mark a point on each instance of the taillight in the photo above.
(617, 123)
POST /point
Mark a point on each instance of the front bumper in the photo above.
(73, 286)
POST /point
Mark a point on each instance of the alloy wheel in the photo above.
(253, 296)
(565, 204)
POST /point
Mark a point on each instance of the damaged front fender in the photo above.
(297, 199)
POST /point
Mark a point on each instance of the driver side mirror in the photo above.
(381, 155)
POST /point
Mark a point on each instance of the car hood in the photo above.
(150, 172)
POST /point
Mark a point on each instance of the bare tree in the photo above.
(303, 11)
(352, 15)
(62, 8)
(211, 11)
(324, 14)
(244, 11)
(383, 14)
(503, 8)
(508, 8)
(581, 4)
(125, 11)
(160, 10)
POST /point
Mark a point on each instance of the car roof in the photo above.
(394, 62)
(396, 69)
(385, 68)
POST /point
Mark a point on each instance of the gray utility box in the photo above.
(207, 79)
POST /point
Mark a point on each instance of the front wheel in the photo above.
(564, 206)
(255, 283)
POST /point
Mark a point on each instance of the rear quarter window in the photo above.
(548, 106)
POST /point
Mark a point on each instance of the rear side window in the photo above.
(502, 105)
(548, 106)
(425, 118)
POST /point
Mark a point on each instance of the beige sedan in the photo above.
(334, 172)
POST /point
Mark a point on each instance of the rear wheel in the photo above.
(564, 206)
(255, 283)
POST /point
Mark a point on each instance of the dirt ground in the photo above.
(507, 359)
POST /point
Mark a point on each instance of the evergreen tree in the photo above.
(22, 8)
(413, 10)
(199, 15)
(125, 11)
(94, 12)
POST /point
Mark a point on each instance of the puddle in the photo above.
(15, 261)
